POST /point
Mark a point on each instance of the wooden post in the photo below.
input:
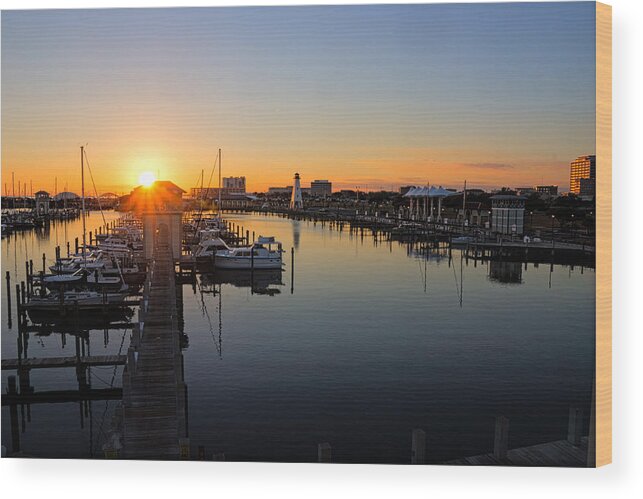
(292, 270)
(13, 415)
(8, 278)
(18, 302)
(575, 426)
(44, 263)
(418, 446)
(76, 246)
(23, 292)
(324, 452)
(501, 438)
(27, 273)
(68, 249)
(184, 448)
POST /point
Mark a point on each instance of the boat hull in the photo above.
(245, 263)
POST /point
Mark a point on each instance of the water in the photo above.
(373, 342)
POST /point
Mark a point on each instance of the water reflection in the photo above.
(382, 332)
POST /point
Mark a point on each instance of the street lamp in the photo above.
(552, 229)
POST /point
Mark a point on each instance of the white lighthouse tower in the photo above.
(296, 201)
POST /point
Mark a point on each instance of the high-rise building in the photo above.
(587, 188)
(234, 184)
(581, 167)
(321, 188)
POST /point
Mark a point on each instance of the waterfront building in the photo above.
(160, 206)
(321, 188)
(581, 167)
(274, 191)
(296, 201)
(234, 184)
(525, 191)
(475, 214)
(547, 190)
(42, 203)
(507, 214)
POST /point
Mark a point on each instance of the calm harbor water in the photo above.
(374, 341)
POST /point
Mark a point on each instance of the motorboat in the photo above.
(265, 253)
(72, 264)
(83, 278)
(206, 249)
(86, 299)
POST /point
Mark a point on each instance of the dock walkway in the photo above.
(558, 453)
(154, 393)
(46, 362)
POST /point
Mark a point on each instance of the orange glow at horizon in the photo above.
(119, 171)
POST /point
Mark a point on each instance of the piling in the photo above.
(292, 270)
(76, 246)
(418, 446)
(8, 278)
(501, 438)
(18, 304)
(324, 452)
(44, 263)
(575, 426)
(13, 415)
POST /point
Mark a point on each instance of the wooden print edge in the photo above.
(601, 424)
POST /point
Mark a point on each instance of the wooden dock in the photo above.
(154, 393)
(558, 453)
(42, 363)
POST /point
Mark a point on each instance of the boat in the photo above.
(87, 300)
(83, 278)
(74, 263)
(206, 249)
(265, 253)
(462, 240)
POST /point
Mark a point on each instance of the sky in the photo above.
(366, 96)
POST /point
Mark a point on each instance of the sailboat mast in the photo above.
(219, 201)
(464, 204)
(82, 190)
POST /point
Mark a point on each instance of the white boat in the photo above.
(265, 253)
(86, 299)
(208, 246)
(83, 277)
(75, 263)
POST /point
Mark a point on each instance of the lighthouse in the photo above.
(296, 201)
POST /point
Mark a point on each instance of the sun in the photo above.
(146, 179)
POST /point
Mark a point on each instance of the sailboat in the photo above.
(67, 276)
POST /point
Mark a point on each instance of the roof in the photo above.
(507, 196)
(66, 195)
(163, 184)
(42, 192)
(431, 192)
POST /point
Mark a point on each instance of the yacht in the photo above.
(206, 249)
(265, 253)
